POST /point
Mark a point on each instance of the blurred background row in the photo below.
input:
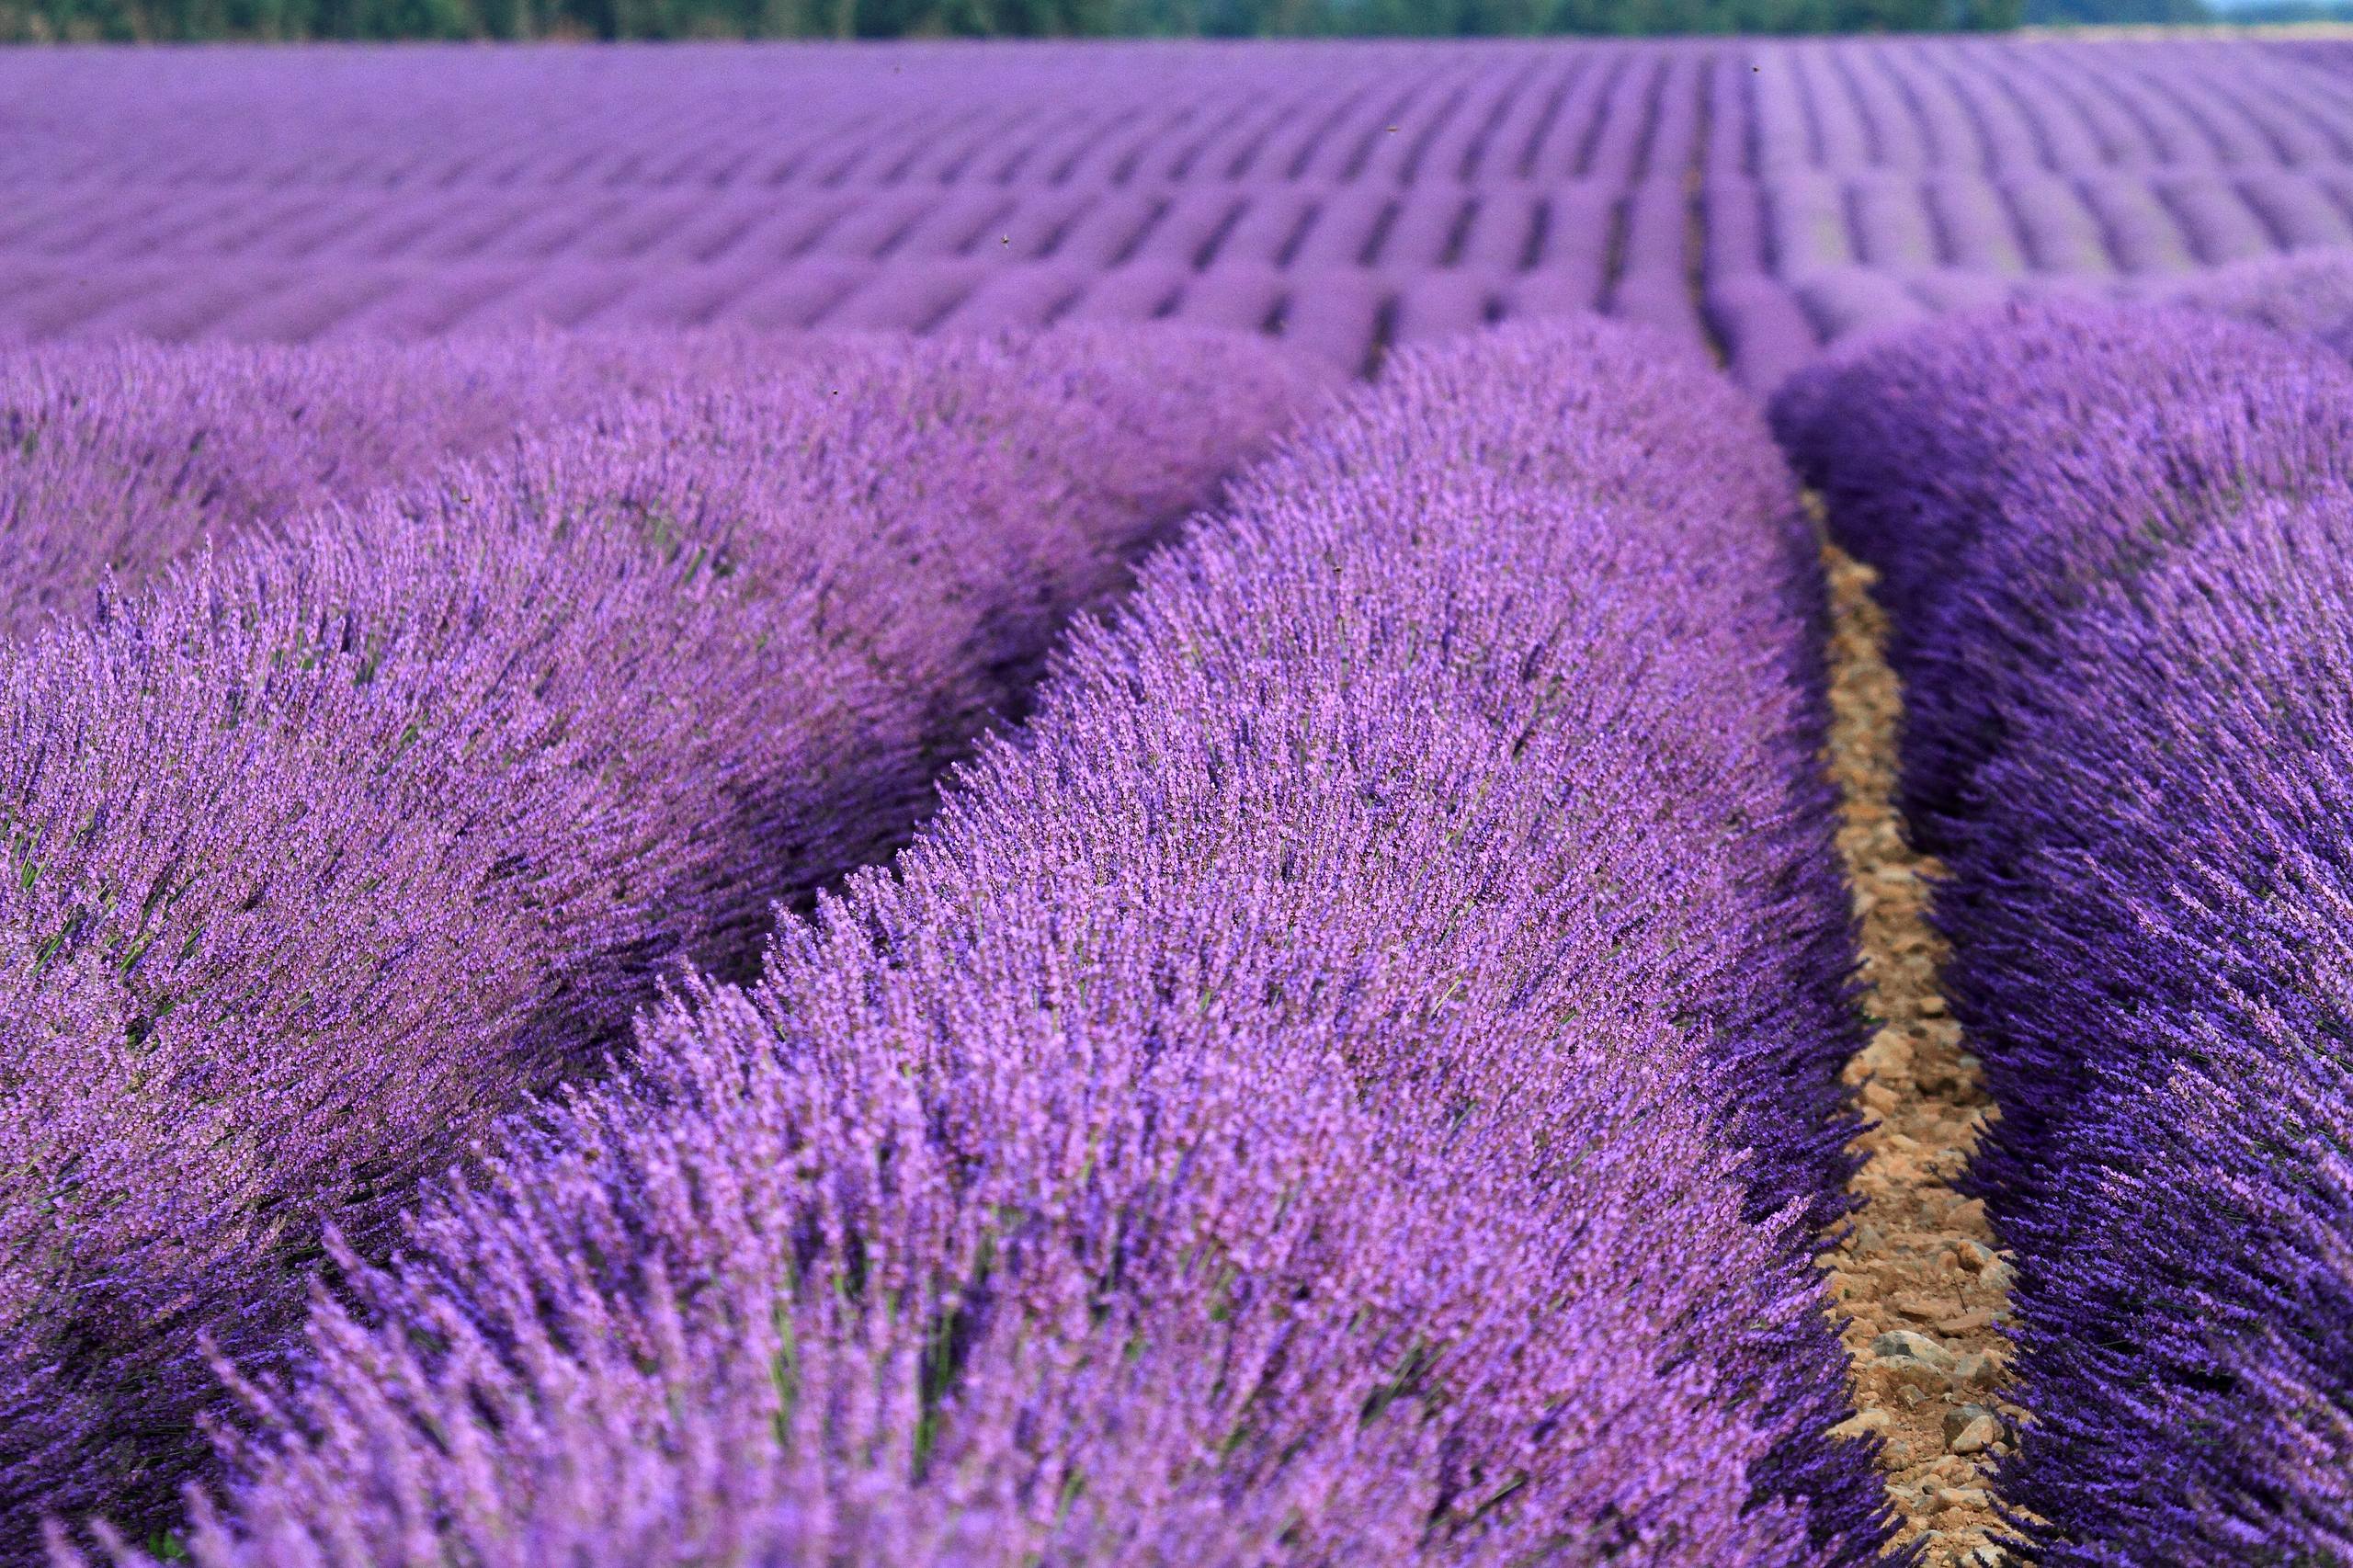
(1756, 197)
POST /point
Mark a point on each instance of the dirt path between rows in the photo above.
(1919, 1277)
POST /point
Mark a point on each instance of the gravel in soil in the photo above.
(1918, 1278)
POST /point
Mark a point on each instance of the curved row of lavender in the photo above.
(1760, 196)
(1274, 1113)
(323, 855)
(124, 456)
(2116, 543)
(2307, 294)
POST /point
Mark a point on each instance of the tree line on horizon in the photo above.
(181, 21)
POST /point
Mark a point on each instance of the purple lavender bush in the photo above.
(2306, 292)
(332, 850)
(1276, 1111)
(1923, 431)
(2119, 538)
(125, 455)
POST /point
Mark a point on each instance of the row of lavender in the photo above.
(2085, 223)
(688, 120)
(2115, 549)
(1354, 1080)
(326, 853)
(1277, 1110)
(1434, 261)
(1761, 196)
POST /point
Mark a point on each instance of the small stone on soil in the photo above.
(1976, 1436)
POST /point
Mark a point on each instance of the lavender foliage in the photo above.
(2117, 543)
(122, 457)
(1286, 1107)
(326, 854)
(2308, 292)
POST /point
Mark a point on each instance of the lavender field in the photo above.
(1760, 197)
(1179, 803)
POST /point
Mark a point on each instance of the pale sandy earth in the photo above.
(1919, 1277)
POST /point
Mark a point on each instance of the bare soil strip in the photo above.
(1919, 1277)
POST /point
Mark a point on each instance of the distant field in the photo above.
(1764, 196)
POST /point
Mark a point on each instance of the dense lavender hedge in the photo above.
(2308, 292)
(2119, 538)
(1275, 1112)
(125, 455)
(321, 856)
